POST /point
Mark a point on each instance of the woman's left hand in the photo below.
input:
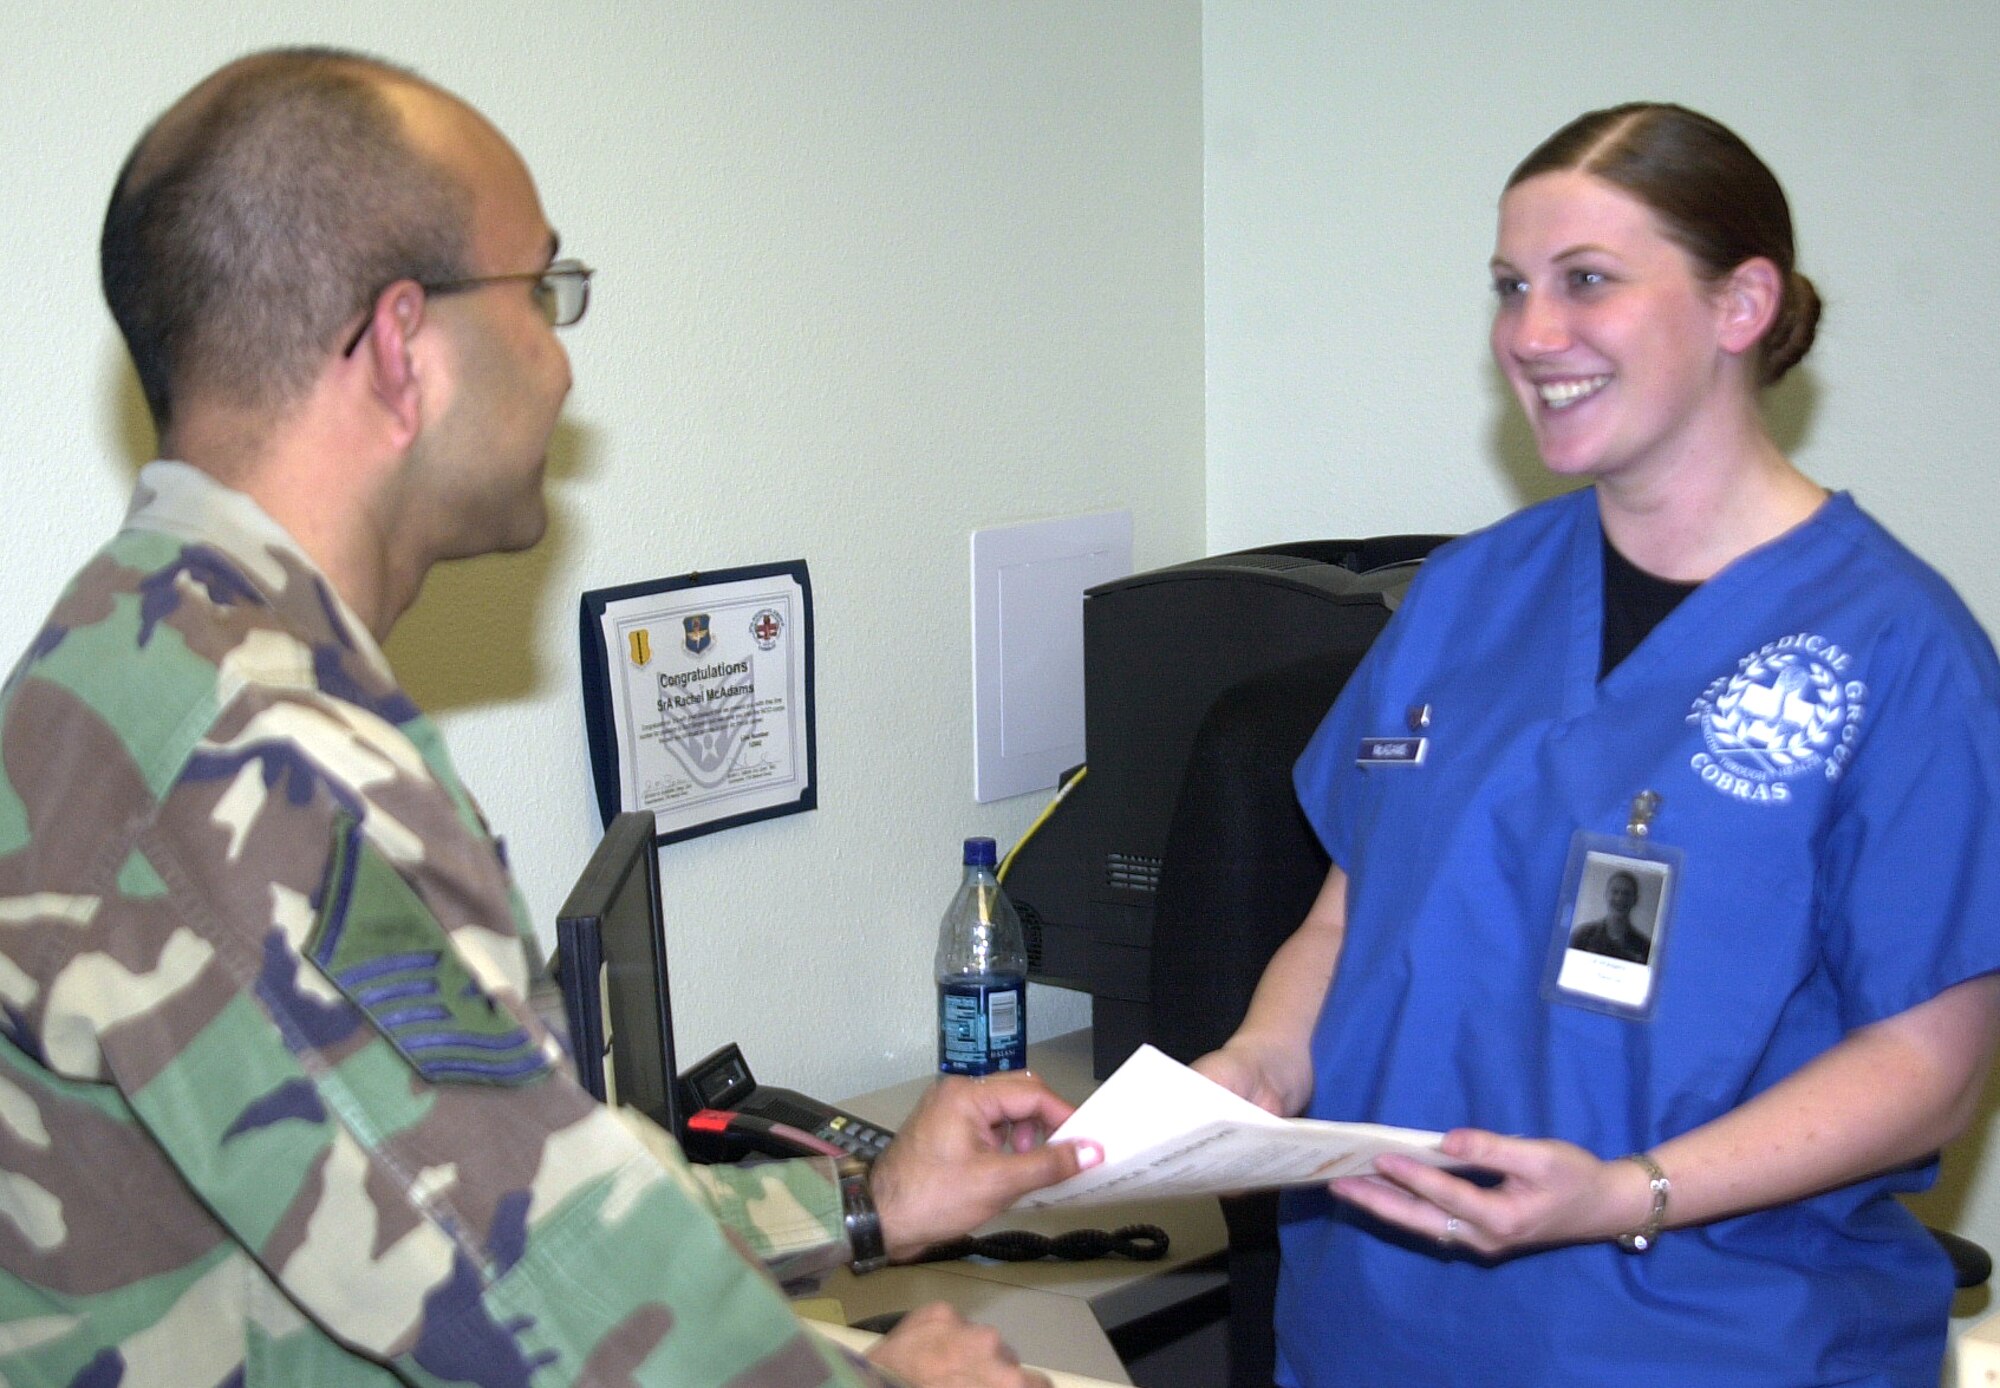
(1886, 1095)
(1549, 1193)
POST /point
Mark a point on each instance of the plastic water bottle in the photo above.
(982, 975)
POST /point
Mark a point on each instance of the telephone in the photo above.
(730, 1116)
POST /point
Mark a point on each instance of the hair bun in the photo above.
(1793, 329)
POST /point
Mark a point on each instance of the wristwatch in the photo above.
(1648, 1234)
(860, 1218)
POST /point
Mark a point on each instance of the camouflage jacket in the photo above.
(272, 1107)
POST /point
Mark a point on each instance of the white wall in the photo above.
(1355, 154)
(871, 276)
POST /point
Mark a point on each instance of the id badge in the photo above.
(1614, 919)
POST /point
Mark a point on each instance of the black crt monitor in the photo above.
(611, 953)
(1270, 634)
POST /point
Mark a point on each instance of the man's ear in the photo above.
(399, 313)
(1748, 299)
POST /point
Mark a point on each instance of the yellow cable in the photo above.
(1067, 786)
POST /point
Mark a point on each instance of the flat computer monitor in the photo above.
(611, 950)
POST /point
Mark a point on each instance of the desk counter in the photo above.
(1026, 1301)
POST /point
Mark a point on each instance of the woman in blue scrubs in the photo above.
(1705, 676)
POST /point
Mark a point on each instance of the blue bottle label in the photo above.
(982, 1026)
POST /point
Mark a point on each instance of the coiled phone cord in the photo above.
(1142, 1243)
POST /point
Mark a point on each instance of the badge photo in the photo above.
(1609, 944)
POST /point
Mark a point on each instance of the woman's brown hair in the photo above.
(1714, 197)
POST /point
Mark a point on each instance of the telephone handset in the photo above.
(731, 1116)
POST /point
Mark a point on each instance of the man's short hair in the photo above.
(245, 232)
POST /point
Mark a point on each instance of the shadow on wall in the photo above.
(470, 638)
(127, 421)
(1789, 407)
(1947, 1204)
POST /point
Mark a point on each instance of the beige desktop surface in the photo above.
(1978, 1355)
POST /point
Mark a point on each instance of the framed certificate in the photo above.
(698, 697)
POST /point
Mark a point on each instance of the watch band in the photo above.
(860, 1218)
(1648, 1234)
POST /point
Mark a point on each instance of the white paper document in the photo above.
(1166, 1130)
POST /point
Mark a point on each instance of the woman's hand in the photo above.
(1889, 1094)
(1269, 1059)
(1269, 1076)
(1549, 1193)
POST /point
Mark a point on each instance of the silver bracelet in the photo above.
(1648, 1234)
(859, 1217)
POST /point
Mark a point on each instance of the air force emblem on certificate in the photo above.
(1789, 709)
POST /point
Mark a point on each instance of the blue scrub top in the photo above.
(1822, 723)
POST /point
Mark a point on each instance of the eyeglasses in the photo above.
(562, 292)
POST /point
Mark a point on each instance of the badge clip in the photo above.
(1639, 822)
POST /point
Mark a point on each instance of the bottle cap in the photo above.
(980, 853)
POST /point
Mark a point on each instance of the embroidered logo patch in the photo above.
(381, 946)
(1787, 710)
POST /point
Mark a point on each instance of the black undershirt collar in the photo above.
(1634, 603)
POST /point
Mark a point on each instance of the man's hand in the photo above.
(935, 1347)
(971, 1149)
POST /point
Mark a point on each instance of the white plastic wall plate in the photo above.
(1027, 645)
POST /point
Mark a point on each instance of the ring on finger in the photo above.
(1451, 1228)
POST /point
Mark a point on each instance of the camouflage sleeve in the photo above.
(301, 974)
(787, 1213)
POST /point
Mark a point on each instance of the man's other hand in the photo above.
(971, 1149)
(935, 1347)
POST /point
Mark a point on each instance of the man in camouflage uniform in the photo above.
(272, 1107)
